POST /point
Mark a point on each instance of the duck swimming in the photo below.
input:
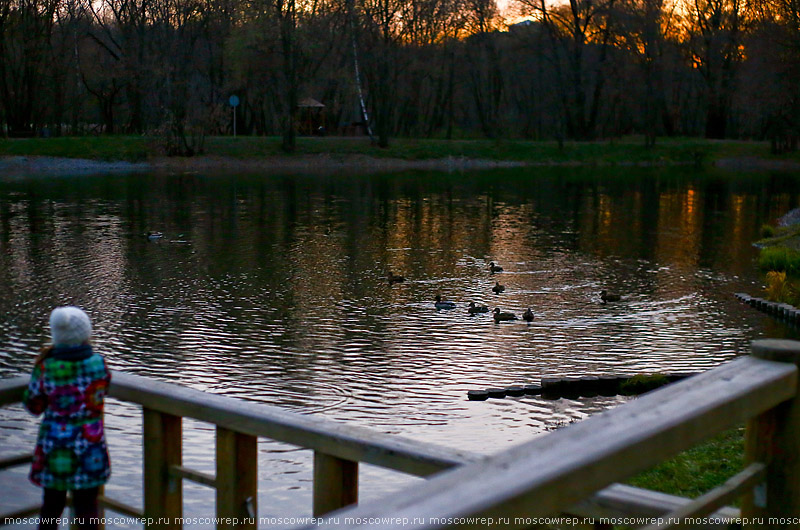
(527, 316)
(152, 236)
(503, 317)
(443, 304)
(498, 288)
(394, 278)
(495, 268)
(605, 296)
(475, 309)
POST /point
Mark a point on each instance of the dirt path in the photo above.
(323, 164)
(757, 164)
(28, 165)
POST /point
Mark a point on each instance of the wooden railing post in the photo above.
(237, 480)
(774, 439)
(163, 494)
(335, 483)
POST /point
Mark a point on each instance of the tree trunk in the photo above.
(716, 119)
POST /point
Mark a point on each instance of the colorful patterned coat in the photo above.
(69, 386)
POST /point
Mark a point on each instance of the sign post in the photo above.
(234, 102)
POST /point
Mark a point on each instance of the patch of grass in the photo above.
(699, 469)
(786, 236)
(782, 288)
(641, 383)
(630, 150)
(131, 148)
(781, 259)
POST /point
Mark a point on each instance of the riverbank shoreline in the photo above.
(129, 154)
(26, 165)
(322, 163)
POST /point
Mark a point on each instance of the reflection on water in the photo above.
(274, 289)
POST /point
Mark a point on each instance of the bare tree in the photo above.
(26, 28)
(715, 29)
(486, 78)
(643, 26)
(580, 35)
(381, 32)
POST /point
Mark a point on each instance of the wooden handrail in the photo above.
(164, 405)
(13, 461)
(330, 437)
(615, 500)
(553, 472)
(715, 499)
(620, 500)
(120, 507)
(195, 476)
(11, 390)
(257, 419)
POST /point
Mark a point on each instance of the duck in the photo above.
(443, 304)
(498, 288)
(394, 278)
(495, 268)
(605, 296)
(527, 316)
(503, 317)
(152, 236)
(475, 309)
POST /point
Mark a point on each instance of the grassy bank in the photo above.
(621, 151)
(693, 472)
(699, 469)
(780, 260)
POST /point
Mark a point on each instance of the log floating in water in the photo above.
(515, 391)
(590, 386)
(496, 392)
(551, 386)
(785, 312)
(478, 395)
(571, 387)
(533, 390)
(575, 387)
(608, 385)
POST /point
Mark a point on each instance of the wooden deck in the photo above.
(570, 471)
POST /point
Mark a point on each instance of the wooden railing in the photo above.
(572, 470)
(338, 448)
(558, 472)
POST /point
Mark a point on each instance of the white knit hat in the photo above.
(70, 326)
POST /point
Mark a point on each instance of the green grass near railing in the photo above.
(131, 148)
(699, 469)
(693, 472)
(629, 150)
(780, 258)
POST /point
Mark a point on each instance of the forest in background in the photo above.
(573, 70)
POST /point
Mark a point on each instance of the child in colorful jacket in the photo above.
(68, 385)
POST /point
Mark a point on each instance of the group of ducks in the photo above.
(499, 316)
(473, 309)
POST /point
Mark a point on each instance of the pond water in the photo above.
(273, 289)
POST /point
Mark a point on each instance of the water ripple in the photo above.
(274, 291)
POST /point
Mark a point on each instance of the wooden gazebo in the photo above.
(311, 117)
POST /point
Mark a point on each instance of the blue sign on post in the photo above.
(234, 102)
